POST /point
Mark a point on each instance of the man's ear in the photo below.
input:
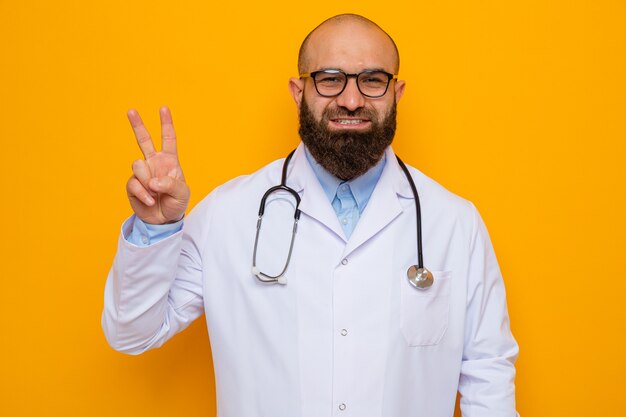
(296, 88)
(399, 89)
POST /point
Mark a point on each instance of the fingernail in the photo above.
(149, 200)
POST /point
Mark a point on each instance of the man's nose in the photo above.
(351, 98)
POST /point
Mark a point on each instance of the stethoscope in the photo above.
(420, 277)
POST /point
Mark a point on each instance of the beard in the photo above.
(346, 154)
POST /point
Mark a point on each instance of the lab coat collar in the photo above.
(314, 201)
(383, 207)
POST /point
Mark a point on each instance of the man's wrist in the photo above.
(146, 234)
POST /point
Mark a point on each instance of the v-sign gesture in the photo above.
(157, 190)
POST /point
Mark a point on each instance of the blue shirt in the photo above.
(348, 199)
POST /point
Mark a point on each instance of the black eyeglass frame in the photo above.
(356, 77)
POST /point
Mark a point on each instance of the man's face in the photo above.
(347, 134)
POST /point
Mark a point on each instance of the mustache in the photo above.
(339, 112)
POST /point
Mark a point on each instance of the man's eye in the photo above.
(329, 80)
(374, 80)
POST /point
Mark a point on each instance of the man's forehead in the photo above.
(350, 41)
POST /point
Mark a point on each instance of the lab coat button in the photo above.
(342, 406)
(344, 332)
(344, 261)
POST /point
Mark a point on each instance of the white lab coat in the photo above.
(348, 335)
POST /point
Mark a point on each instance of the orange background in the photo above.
(519, 106)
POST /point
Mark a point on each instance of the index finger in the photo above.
(141, 134)
(168, 135)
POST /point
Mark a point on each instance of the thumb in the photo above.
(171, 186)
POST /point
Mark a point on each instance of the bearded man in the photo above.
(335, 315)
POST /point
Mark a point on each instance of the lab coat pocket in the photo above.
(424, 313)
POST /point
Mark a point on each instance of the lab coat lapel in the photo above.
(314, 202)
(383, 206)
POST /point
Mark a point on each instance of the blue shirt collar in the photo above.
(361, 187)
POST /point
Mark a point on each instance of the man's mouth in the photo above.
(345, 122)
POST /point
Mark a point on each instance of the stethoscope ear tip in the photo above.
(255, 271)
(282, 280)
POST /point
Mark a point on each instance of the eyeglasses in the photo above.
(332, 82)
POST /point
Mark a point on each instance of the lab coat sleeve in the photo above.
(487, 376)
(154, 292)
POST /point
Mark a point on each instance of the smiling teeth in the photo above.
(349, 122)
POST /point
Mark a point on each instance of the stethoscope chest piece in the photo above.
(420, 278)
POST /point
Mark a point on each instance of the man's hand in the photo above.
(157, 190)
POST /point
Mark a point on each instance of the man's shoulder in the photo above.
(244, 187)
(435, 196)
(266, 175)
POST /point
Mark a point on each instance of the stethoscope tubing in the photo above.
(418, 212)
(280, 278)
(419, 276)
